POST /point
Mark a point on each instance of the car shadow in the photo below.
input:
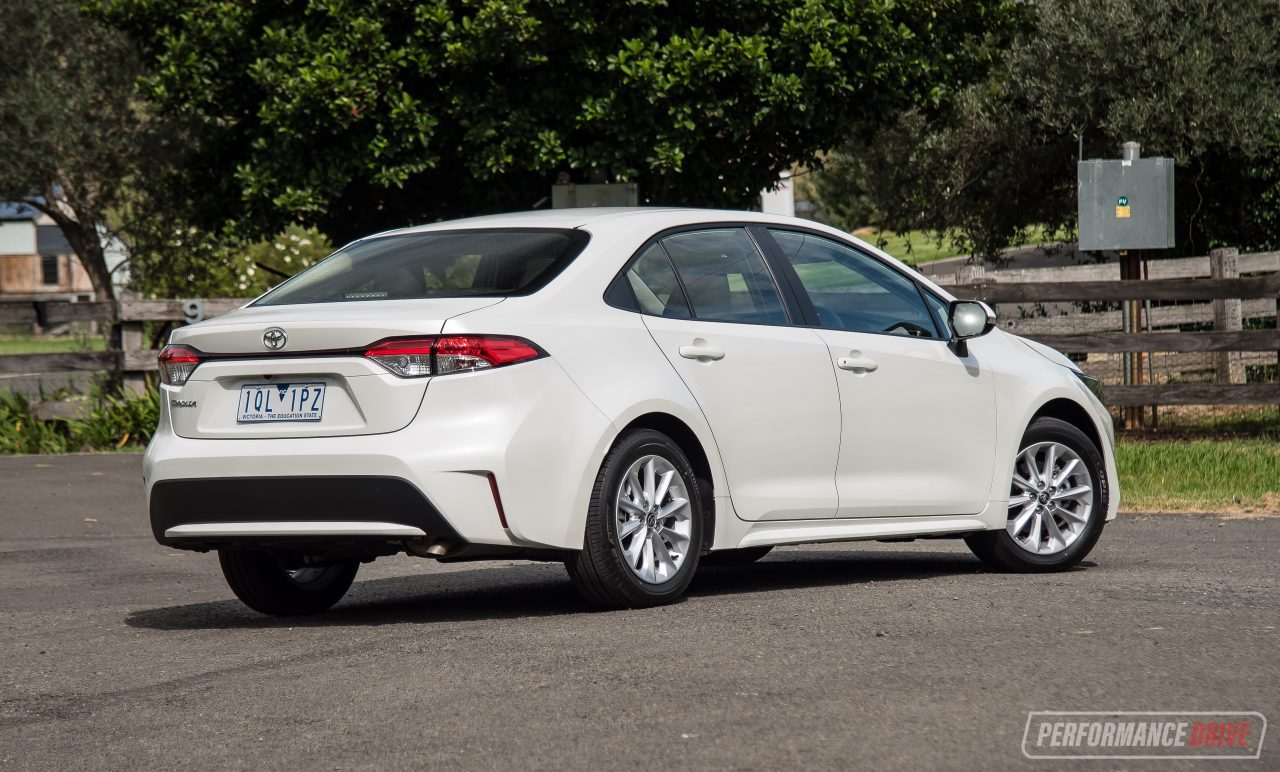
(544, 590)
(808, 568)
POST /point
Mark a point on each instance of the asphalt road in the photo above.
(118, 653)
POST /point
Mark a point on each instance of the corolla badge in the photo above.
(274, 338)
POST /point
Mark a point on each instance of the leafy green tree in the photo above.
(70, 128)
(1198, 81)
(186, 262)
(361, 115)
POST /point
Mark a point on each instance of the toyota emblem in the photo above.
(274, 338)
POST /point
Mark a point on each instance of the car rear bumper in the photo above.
(504, 458)
(202, 513)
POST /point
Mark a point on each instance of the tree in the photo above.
(182, 261)
(361, 116)
(1197, 81)
(70, 130)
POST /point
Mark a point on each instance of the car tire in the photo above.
(1077, 522)
(264, 584)
(736, 557)
(614, 570)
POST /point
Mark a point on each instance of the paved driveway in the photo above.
(115, 652)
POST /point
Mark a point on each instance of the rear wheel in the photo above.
(265, 583)
(644, 526)
(1057, 506)
(736, 557)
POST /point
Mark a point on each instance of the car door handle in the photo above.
(857, 364)
(701, 353)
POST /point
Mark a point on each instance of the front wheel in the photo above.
(644, 526)
(1057, 506)
(265, 583)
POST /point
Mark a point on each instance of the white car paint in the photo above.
(798, 449)
(739, 395)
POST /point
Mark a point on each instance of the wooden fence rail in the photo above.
(1113, 321)
(1170, 341)
(1225, 309)
(1117, 291)
(133, 359)
(1175, 268)
(1260, 293)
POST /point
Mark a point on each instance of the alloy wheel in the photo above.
(1050, 499)
(653, 519)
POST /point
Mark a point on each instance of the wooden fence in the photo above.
(133, 359)
(1224, 298)
(1215, 279)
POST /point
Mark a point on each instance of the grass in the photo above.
(1220, 475)
(912, 247)
(917, 247)
(1222, 421)
(33, 345)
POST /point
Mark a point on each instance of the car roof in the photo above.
(587, 217)
(658, 218)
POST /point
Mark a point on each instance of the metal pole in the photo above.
(1126, 322)
(1151, 371)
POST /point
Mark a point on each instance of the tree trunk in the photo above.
(84, 240)
(94, 260)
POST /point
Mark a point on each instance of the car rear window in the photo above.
(437, 264)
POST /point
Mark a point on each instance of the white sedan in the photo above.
(629, 391)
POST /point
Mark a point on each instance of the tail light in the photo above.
(459, 353)
(418, 357)
(407, 358)
(177, 363)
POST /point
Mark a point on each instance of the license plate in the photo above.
(267, 402)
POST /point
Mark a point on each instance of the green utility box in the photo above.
(1126, 203)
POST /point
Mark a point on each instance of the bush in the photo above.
(22, 433)
(113, 420)
(117, 420)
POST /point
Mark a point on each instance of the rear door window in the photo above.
(725, 277)
(441, 264)
(654, 284)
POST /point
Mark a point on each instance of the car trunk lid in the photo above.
(249, 382)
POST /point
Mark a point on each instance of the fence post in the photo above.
(134, 382)
(1224, 264)
(131, 341)
(971, 274)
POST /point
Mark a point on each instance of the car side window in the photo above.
(725, 276)
(654, 283)
(940, 308)
(853, 291)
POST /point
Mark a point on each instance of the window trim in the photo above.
(810, 313)
(57, 270)
(943, 325)
(790, 303)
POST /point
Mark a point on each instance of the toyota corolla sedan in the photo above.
(632, 392)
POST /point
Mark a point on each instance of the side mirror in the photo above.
(969, 319)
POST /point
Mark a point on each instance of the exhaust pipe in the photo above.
(429, 547)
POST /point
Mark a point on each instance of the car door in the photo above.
(767, 388)
(918, 421)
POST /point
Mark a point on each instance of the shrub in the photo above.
(112, 420)
(20, 432)
(117, 420)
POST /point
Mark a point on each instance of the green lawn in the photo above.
(916, 247)
(32, 345)
(912, 247)
(1224, 475)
